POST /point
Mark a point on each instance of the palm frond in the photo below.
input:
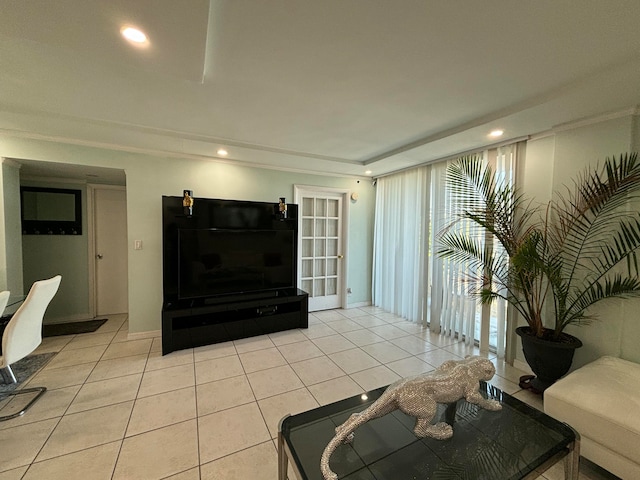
(617, 287)
(583, 248)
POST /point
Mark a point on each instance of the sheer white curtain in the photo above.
(454, 312)
(505, 165)
(409, 279)
(400, 243)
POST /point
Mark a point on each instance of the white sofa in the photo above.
(601, 400)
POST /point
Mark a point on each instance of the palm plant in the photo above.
(579, 250)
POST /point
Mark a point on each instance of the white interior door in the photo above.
(110, 221)
(321, 246)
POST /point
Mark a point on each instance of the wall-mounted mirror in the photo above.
(51, 211)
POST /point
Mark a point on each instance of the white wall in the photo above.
(534, 178)
(551, 163)
(635, 134)
(149, 177)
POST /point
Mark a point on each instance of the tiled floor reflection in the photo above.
(118, 409)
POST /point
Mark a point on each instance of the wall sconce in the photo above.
(282, 208)
(187, 202)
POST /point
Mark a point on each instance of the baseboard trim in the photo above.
(520, 365)
(359, 304)
(72, 318)
(143, 335)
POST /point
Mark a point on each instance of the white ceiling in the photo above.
(338, 86)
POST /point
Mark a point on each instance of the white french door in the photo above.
(321, 245)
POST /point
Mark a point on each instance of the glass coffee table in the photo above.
(513, 443)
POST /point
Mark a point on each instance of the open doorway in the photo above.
(73, 255)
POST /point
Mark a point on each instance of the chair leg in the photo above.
(40, 391)
(7, 375)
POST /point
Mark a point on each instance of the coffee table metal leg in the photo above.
(283, 453)
(282, 459)
(572, 460)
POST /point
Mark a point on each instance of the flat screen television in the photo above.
(222, 261)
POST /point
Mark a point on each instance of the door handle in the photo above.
(340, 256)
(99, 256)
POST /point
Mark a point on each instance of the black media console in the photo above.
(229, 271)
(205, 324)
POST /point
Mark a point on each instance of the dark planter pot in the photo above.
(548, 359)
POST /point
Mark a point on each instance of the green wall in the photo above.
(44, 256)
(551, 163)
(11, 270)
(150, 177)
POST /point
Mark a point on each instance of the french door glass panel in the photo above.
(320, 249)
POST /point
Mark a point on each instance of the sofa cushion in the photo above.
(601, 400)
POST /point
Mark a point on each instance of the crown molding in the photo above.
(180, 135)
(454, 156)
(585, 122)
(168, 153)
(592, 120)
(541, 135)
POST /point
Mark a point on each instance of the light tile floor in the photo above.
(118, 409)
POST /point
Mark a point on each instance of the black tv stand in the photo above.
(239, 297)
(232, 317)
(234, 274)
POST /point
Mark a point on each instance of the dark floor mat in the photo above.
(23, 369)
(56, 329)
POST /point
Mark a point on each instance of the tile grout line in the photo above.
(124, 433)
(245, 375)
(197, 419)
(59, 418)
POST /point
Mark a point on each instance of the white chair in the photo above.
(4, 299)
(23, 334)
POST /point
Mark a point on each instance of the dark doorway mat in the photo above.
(56, 329)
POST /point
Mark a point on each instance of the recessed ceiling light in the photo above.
(368, 172)
(496, 133)
(222, 152)
(133, 34)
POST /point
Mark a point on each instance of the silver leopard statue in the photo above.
(418, 397)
